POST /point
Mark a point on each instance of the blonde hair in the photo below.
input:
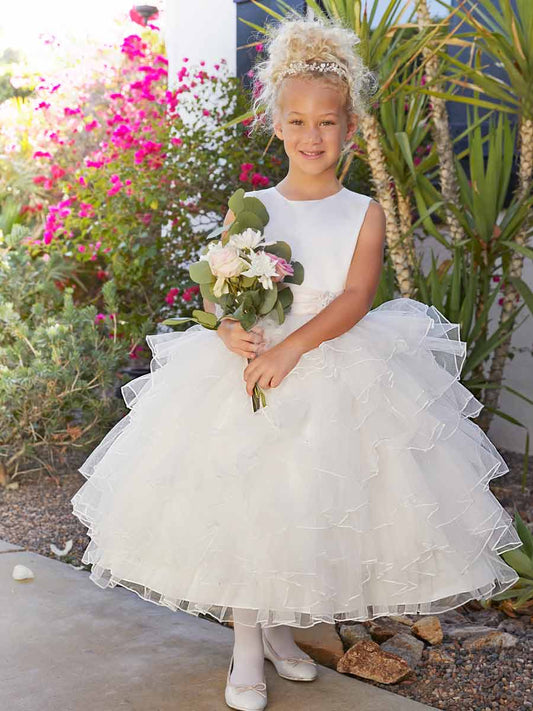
(304, 40)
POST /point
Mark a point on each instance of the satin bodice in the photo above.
(322, 235)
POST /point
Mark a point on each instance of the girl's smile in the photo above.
(312, 156)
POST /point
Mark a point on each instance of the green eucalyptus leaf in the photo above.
(236, 201)
(248, 219)
(247, 281)
(286, 297)
(252, 204)
(249, 320)
(279, 311)
(298, 276)
(205, 318)
(270, 298)
(201, 272)
(217, 231)
(206, 291)
(178, 321)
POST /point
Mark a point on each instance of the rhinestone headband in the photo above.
(298, 67)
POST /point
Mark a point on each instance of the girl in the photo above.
(361, 489)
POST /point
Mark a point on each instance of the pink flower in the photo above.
(81, 248)
(283, 268)
(186, 296)
(91, 126)
(57, 172)
(99, 317)
(86, 210)
(171, 295)
(42, 154)
(258, 179)
(176, 141)
(206, 112)
(134, 353)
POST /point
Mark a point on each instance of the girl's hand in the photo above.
(240, 341)
(269, 368)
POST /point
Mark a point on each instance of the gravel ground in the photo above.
(38, 513)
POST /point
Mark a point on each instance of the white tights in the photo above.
(248, 665)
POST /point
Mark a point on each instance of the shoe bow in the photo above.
(297, 660)
(260, 687)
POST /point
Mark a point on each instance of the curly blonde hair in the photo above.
(303, 40)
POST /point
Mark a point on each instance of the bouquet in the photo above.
(245, 275)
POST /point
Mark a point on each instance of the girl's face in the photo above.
(312, 123)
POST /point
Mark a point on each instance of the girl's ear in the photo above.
(278, 129)
(351, 128)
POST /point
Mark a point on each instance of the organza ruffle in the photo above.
(361, 490)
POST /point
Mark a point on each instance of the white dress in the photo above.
(361, 490)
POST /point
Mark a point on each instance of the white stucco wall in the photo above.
(200, 30)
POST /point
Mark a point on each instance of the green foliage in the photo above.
(57, 366)
(521, 560)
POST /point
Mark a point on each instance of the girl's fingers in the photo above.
(252, 338)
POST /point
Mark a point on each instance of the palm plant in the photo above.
(506, 36)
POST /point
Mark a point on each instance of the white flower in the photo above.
(249, 238)
(263, 267)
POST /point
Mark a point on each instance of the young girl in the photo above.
(361, 489)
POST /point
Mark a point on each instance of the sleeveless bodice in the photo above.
(322, 235)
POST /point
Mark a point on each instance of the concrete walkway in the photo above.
(68, 645)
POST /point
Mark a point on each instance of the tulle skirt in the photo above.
(361, 490)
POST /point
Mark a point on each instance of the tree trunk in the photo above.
(383, 185)
(440, 129)
(406, 222)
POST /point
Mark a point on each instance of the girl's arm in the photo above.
(360, 290)
(209, 305)
(269, 369)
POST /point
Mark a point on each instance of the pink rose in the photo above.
(283, 268)
(225, 262)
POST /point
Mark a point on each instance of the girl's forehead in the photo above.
(309, 95)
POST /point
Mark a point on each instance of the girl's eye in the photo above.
(299, 120)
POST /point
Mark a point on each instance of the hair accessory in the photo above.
(299, 67)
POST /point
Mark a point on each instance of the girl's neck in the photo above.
(308, 187)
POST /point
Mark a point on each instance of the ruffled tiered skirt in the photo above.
(361, 490)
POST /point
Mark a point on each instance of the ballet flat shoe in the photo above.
(245, 697)
(292, 668)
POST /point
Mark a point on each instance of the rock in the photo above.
(351, 634)
(428, 629)
(368, 660)
(465, 631)
(488, 617)
(383, 628)
(492, 640)
(22, 572)
(321, 642)
(406, 646)
(453, 617)
(440, 656)
(402, 619)
(513, 625)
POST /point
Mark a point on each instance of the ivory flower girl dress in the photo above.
(361, 490)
